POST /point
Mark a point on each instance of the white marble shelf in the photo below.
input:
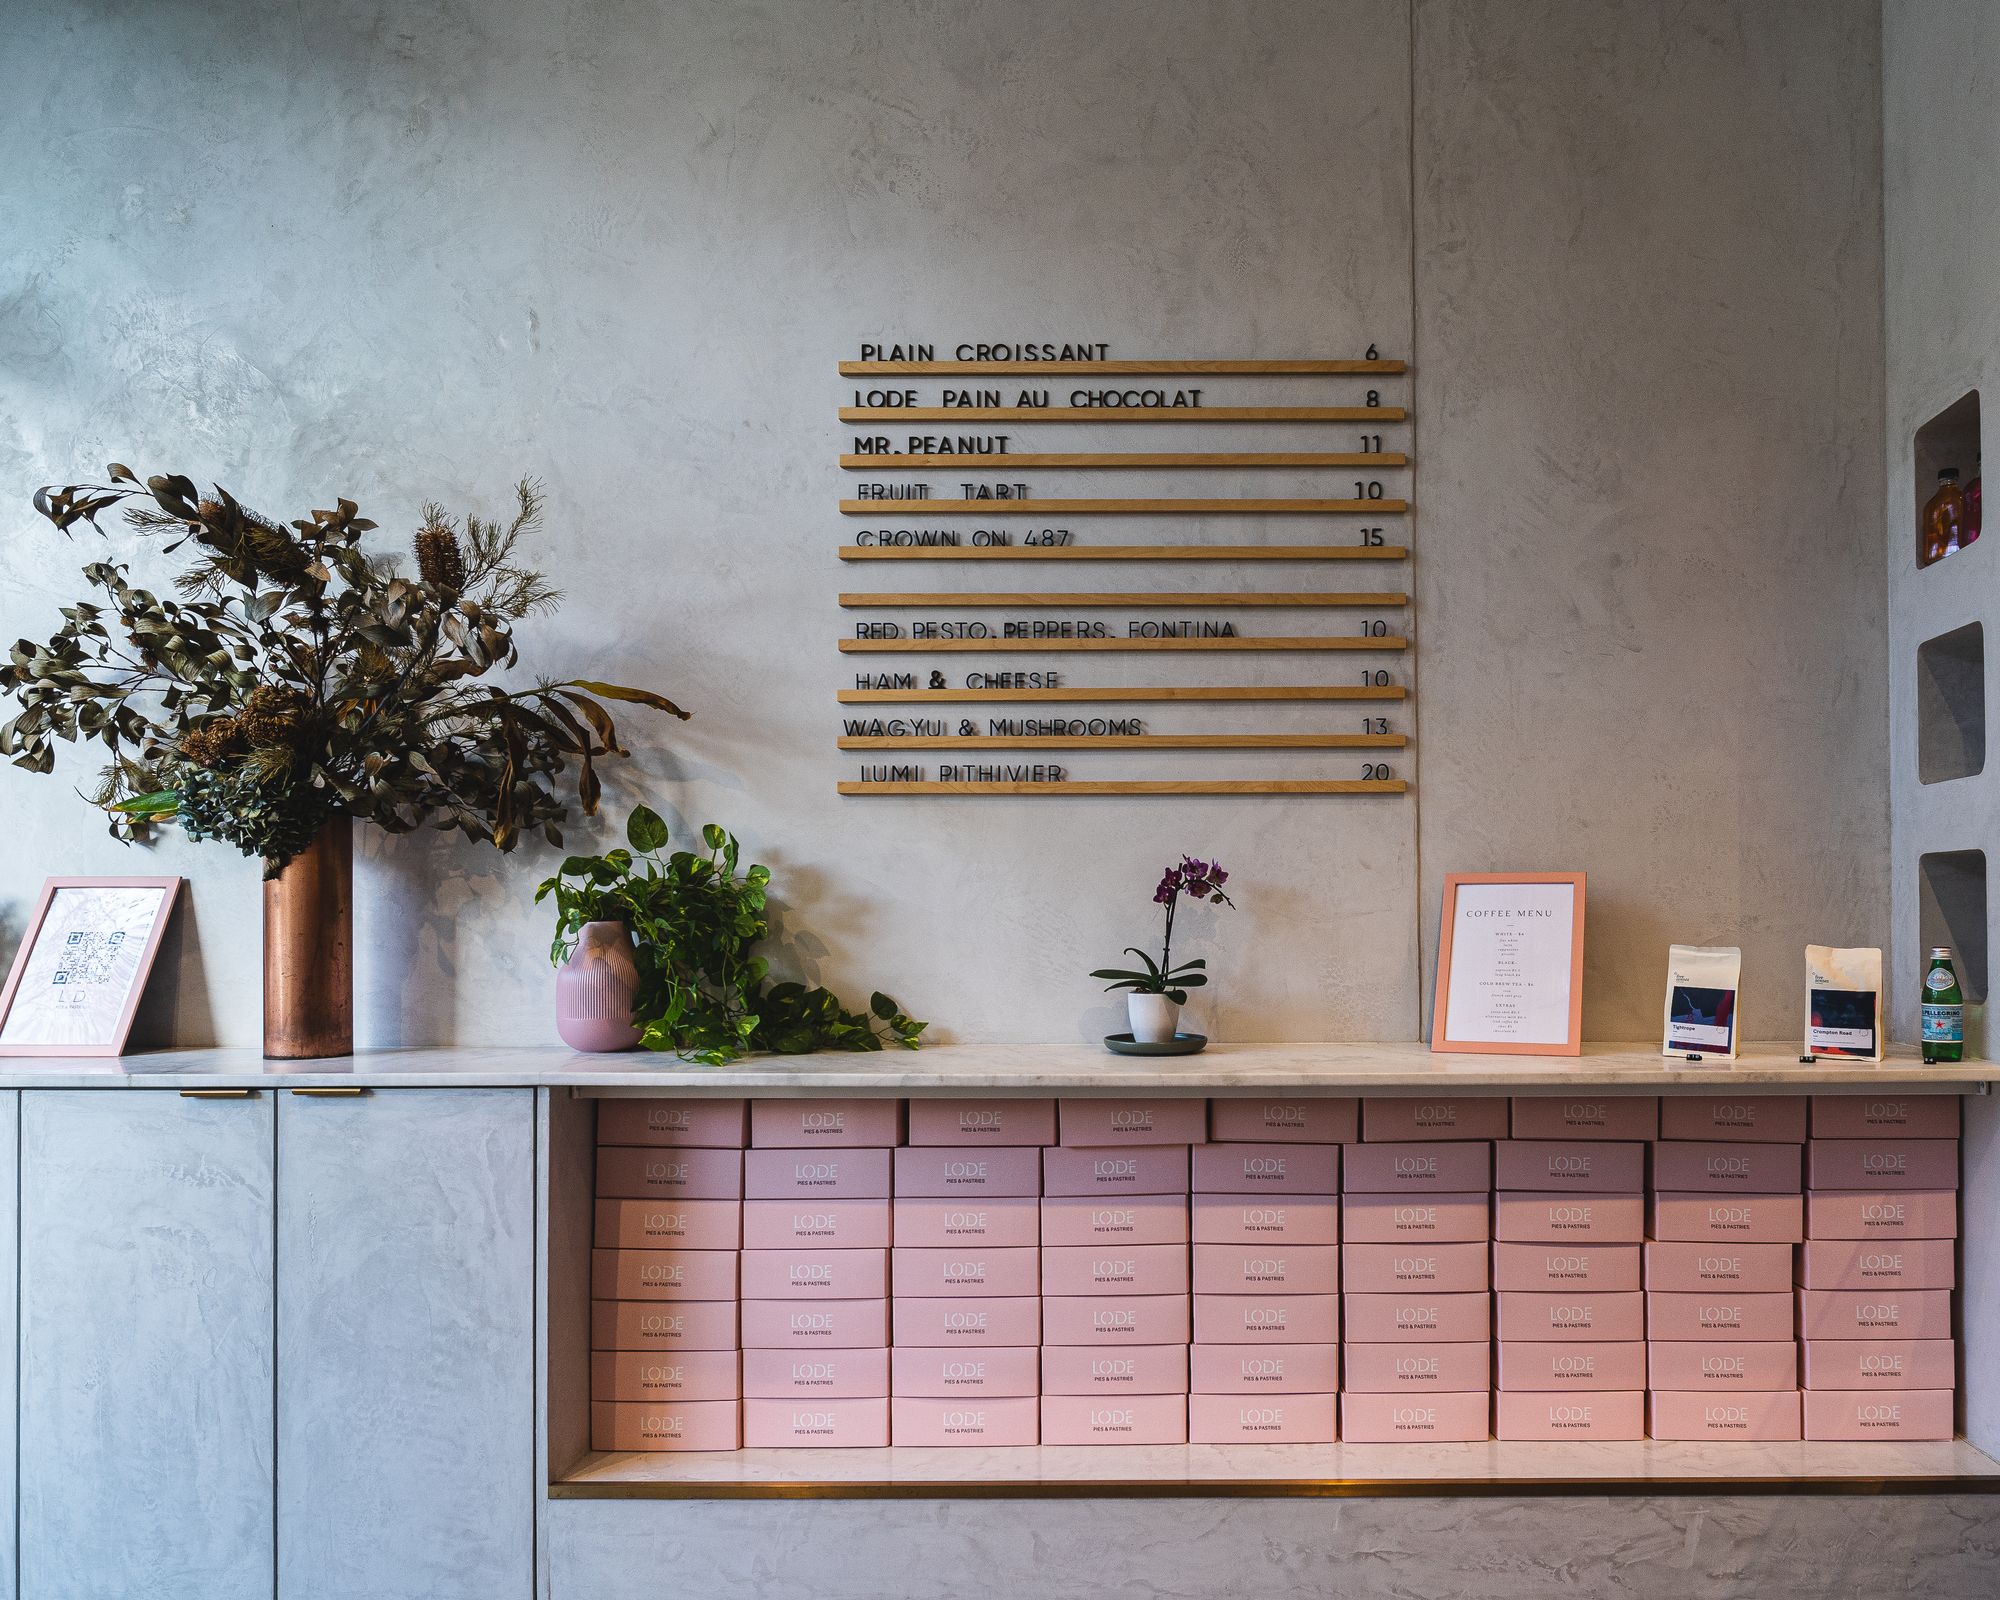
(1495, 1467)
(1028, 1069)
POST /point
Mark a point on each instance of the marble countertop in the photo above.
(1019, 1070)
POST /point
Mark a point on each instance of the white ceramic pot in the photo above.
(1154, 1017)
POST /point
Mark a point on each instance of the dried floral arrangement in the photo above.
(297, 677)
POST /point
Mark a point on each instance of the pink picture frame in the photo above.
(105, 959)
(1572, 1045)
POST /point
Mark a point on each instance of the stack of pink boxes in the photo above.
(1416, 1317)
(1115, 1319)
(1266, 1362)
(816, 1230)
(663, 1275)
(1569, 1218)
(1727, 1211)
(1878, 1266)
(967, 1272)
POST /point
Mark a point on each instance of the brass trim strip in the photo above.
(331, 1093)
(217, 1094)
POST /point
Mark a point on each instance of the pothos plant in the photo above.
(1198, 880)
(299, 676)
(703, 992)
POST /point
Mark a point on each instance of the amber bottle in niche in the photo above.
(1972, 498)
(1943, 529)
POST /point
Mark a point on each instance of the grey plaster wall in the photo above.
(416, 250)
(1942, 338)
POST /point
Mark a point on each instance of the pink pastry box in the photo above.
(637, 1174)
(820, 1325)
(653, 1325)
(1414, 1268)
(1874, 1214)
(1545, 1218)
(1119, 1320)
(923, 1370)
(1591, 1117)
(816, 1174)
(1461, 1167)
(1005, 1421)
(1722, 1366)
(1881, 1364)
(1747, 1218)
(717, 1124)
(828, 1374)
(1766, 1414)
(965, 1271)
(1121, 1219)
(1868, 1116)
(1286, 1120)
(1134, 1369)
(825, 1124)
(1885, 1164)
(663, 1274)
(1765, 1119)
(1907, 1414)
(1600, 1318)
(1281, 1169)
(1559, 1268)
(1262, 1419)
(1695, 1267)
(1273, 1369)
(1878, 1263)
(816, 1424)
(1278, 1219)
(1100, 1174)
(1722, 1167)
(815, 1274)
(1122, 1419)
(1600, 1414)
(1424, 1119)
(1007, 1222)
(664, 1425)
(982, 1122)
(1098, 1123)
(1734, 1315)
(977, 1324)
(669, 1225)
(1422, 1219)
(1417, 1319)
(682, 1375)
(1563, 1366)
(1266, 1269)
(1266, 1319)
(816, 1223)
(948, 1172)
(1138, 1269)
(1875, 1314)
(1418, 1368)
(1415, 1419)
(1569, 1166)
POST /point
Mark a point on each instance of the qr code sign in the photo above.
(88, 958)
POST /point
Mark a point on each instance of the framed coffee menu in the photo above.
(1510, 964)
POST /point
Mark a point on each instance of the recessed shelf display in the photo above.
(1951, 705)
(1951, 910)
(1946, 522)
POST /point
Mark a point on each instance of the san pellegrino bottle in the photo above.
(1944, 1010)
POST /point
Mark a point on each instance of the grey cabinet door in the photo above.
(406, 1263)
(145, 1374)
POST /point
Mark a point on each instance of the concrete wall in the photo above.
(415, 251)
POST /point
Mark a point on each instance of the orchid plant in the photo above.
(1198, 880)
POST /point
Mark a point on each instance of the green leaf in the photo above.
(161, 803)
(646, 830)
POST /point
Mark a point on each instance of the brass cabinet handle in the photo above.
(328, 1094)
(217, 1094)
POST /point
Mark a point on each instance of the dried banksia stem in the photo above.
(440, 561)
(211, 743)
(272, 716)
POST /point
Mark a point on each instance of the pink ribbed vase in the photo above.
(595, 989)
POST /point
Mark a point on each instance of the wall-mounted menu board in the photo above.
(948, 472)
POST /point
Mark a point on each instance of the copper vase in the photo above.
(309, 950)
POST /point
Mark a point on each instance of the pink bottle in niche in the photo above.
(594, 990)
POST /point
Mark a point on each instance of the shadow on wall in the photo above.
(174, 1012)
